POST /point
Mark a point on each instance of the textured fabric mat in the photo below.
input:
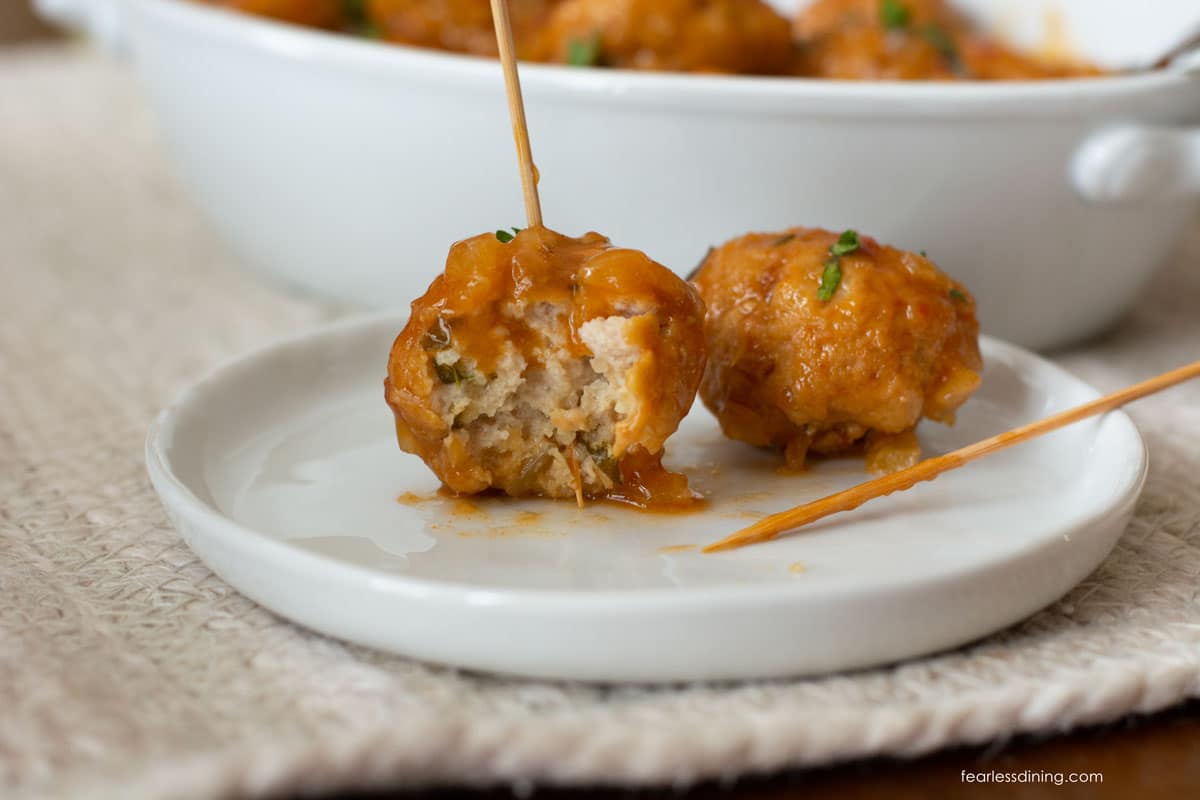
(128, 670)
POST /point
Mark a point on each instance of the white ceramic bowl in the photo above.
(348, 167)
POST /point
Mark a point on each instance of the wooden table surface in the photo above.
(1141, 757)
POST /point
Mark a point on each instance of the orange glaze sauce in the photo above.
(787, 370)
(917, 40)
(837, 39)
(483, 275)
(649, 486)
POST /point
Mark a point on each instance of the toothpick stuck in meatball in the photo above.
(539, 364)
(818, 343)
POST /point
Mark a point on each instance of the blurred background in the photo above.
(18, 23)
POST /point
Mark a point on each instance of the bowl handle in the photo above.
(98, 19)
(1128, 163)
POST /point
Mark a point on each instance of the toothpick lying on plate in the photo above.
(768, 528)
(516, 110)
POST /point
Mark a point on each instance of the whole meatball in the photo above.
(818, 342)
(733, 36)
(880, 40)
(826, 16)
(547, 365)
(463, 26)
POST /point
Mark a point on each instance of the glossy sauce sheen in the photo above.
(896, 340)
(481, 304)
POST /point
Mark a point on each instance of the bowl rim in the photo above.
(779, 94)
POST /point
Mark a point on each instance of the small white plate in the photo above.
(281, 472)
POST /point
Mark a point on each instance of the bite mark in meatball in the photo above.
(548, 365)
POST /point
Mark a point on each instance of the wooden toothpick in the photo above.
(516, 110)
(768, 528)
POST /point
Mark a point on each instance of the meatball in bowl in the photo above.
(543, 365)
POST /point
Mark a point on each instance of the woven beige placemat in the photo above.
(128, 670)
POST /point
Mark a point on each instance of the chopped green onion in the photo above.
(782, 240)
(584, 52)
(957, 296)
(603, 460)
(830, 279)
(449, 373)
(894, 15)
(355, 11)
(357, 19)
(847, 243)
(504, 236)
(936, 35)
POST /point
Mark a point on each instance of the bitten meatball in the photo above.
(463, 26)
(733, 36)
(819, 342)
(539, 364)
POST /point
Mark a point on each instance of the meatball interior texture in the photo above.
(549, 365)
(896, 340)
(731, 36)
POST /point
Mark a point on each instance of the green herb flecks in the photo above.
(831, 278)
(450, 373)
(505, 237)
(357, 20)
(847, 243)
(603, 460)
(782, 240)
(936, 35)
(584, 52)
(894, 15)
(354, 11)
(957, 296)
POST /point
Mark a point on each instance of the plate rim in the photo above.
(177, 497)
